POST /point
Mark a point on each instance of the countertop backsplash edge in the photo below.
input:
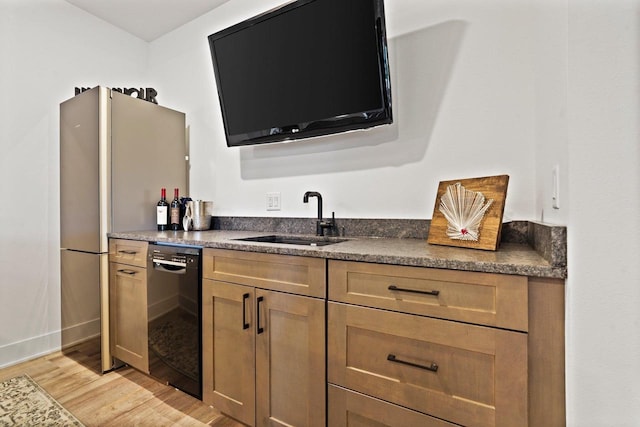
(392, 241)
(549, 240)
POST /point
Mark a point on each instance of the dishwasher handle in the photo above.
(169, 266)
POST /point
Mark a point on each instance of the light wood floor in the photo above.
(124, 397)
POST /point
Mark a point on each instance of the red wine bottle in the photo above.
(162, 211)
(175, 210)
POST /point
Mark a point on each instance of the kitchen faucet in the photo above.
(320, 223)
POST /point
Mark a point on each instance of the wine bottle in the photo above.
(162, 211)
(175, 210)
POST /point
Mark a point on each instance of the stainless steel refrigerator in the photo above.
(116, 153)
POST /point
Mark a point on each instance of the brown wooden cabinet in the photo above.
(466, 374)
(480, 298)
(130, 252)
(474, 349)
(263, 349)
(128, 302)
(393, 345)
(228, 346)
(353, 409)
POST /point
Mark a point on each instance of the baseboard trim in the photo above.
(31, 348)
(80, 332)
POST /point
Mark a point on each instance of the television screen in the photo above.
(308, 68)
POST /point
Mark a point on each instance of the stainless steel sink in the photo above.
(294, 240)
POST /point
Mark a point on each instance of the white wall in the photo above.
(463, 105)
(603, 304)
(550, 82)
(47, 48)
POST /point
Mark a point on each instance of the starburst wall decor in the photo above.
(468, 212)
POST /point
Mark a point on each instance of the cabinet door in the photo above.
(290, 360)
(228, 345)
(128, 314)
(465, 374)
(352, 409)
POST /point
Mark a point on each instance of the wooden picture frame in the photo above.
(487, 233)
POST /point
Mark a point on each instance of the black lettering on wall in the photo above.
(149, 94)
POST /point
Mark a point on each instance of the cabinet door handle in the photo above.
(260, 328)
(245, 325)
(435, 293)
(127, 252)
(433, 367)
(129, 272)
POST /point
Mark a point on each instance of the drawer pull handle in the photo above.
(260, 328)
(129, 272)
(127, 252)
(433, 367)
(245, 325)
(415, 291)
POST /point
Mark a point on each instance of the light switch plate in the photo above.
(273, 201)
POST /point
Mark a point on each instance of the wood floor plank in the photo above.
(122, 398)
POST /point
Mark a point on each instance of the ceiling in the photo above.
(147, 19)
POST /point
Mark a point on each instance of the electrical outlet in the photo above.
(273, 201)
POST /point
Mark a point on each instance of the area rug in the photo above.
(24, 403)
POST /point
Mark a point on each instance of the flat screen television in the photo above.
(305, 69)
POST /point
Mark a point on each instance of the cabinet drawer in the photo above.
(293, 274)
(131, 252)
(466, 374)
(349, 408)
(481, 298)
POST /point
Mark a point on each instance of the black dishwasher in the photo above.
(174, 307)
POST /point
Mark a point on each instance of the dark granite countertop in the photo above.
(519, 258)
